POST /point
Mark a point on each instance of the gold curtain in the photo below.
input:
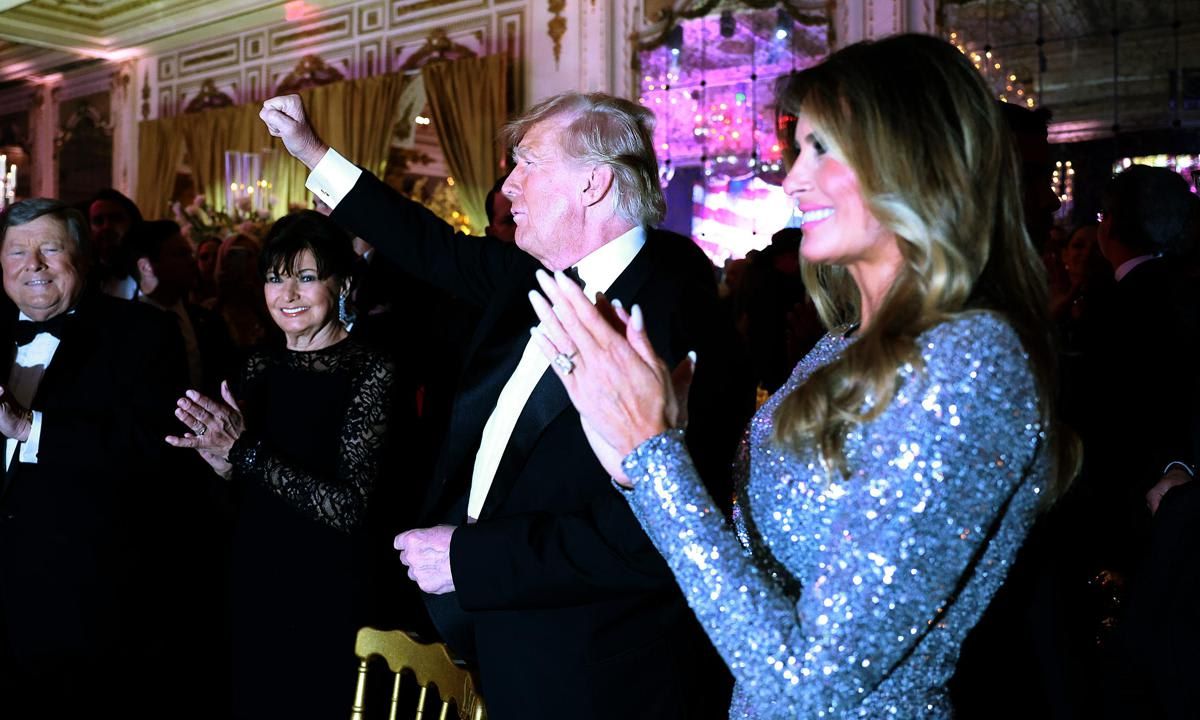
(354, 116)
(467, 99)
(209, 134)
(161, 146)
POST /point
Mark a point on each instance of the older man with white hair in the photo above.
(533, 566)
(94, 515)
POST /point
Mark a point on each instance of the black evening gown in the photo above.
(303, 471)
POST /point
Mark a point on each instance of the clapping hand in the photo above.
(15, 420)
(624, 392)
(214, 427)
(285, 119)
(1173, 478)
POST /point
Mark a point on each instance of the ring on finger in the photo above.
(563, 362)
(203, 429)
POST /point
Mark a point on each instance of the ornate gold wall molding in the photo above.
(438, 46)
(557, 27)
(146, 96)
(209, 97)
(311, 71)
(85, 111)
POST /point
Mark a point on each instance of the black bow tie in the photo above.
(26, 330)
(573, 273)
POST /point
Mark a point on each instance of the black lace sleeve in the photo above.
(339, 502)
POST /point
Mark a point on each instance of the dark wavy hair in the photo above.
(331, 246)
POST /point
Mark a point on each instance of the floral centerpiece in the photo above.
(199, 222)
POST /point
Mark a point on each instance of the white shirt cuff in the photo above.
(333, 178)
(29, 448)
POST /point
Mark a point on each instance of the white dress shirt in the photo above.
(598, 271)
(27, 371)
(334, 177)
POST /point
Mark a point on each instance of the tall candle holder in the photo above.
(8, 182)
(247, 192)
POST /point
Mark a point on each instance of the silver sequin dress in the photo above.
(851, 597)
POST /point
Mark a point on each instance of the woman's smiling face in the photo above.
(838, 227)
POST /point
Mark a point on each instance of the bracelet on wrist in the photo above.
(1181, 465)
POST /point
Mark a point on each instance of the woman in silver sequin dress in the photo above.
(885, 489)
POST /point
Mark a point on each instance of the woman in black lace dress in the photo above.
(302, 446)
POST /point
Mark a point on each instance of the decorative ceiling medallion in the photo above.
(437, 47)
(557, 27)
(311, 71)
(209, 97)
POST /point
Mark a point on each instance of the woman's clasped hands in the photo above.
(214, 426)
(624, 392)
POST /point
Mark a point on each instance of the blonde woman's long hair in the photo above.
(937, 167)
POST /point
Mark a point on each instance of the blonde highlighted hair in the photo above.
(938, 168)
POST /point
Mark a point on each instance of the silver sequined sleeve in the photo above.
(880, 553)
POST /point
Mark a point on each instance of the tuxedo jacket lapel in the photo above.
(65, 365)
(63, 368)
(549, 398)
(10, 357)
(492, 358)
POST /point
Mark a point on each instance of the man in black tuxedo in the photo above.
(165, 269)
(535, 568)
(1139, 345)
(87, 573)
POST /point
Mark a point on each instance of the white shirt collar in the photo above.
(178, 308)
(1124, 268)
(599, 268)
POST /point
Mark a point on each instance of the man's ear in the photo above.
(144, 269)
(599, 184)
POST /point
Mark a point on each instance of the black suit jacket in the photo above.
(1140, 407)
(218, 358)
(561, 598)
(86, 566)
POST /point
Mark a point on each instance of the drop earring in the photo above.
(344, 315)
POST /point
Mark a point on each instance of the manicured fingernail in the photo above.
(692, 357)
(617, 304)
(541, 274)
(636, 319)
(535, 330)
(192, 394)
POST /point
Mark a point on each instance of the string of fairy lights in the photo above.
(1005, 83)
(1008, 87)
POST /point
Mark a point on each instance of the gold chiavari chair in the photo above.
(429, 664)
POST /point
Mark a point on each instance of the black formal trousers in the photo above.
(561, 599)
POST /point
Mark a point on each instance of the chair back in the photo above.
(429, 663)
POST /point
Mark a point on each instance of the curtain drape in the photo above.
(162, 147)
(468, 101)
(354, 116)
